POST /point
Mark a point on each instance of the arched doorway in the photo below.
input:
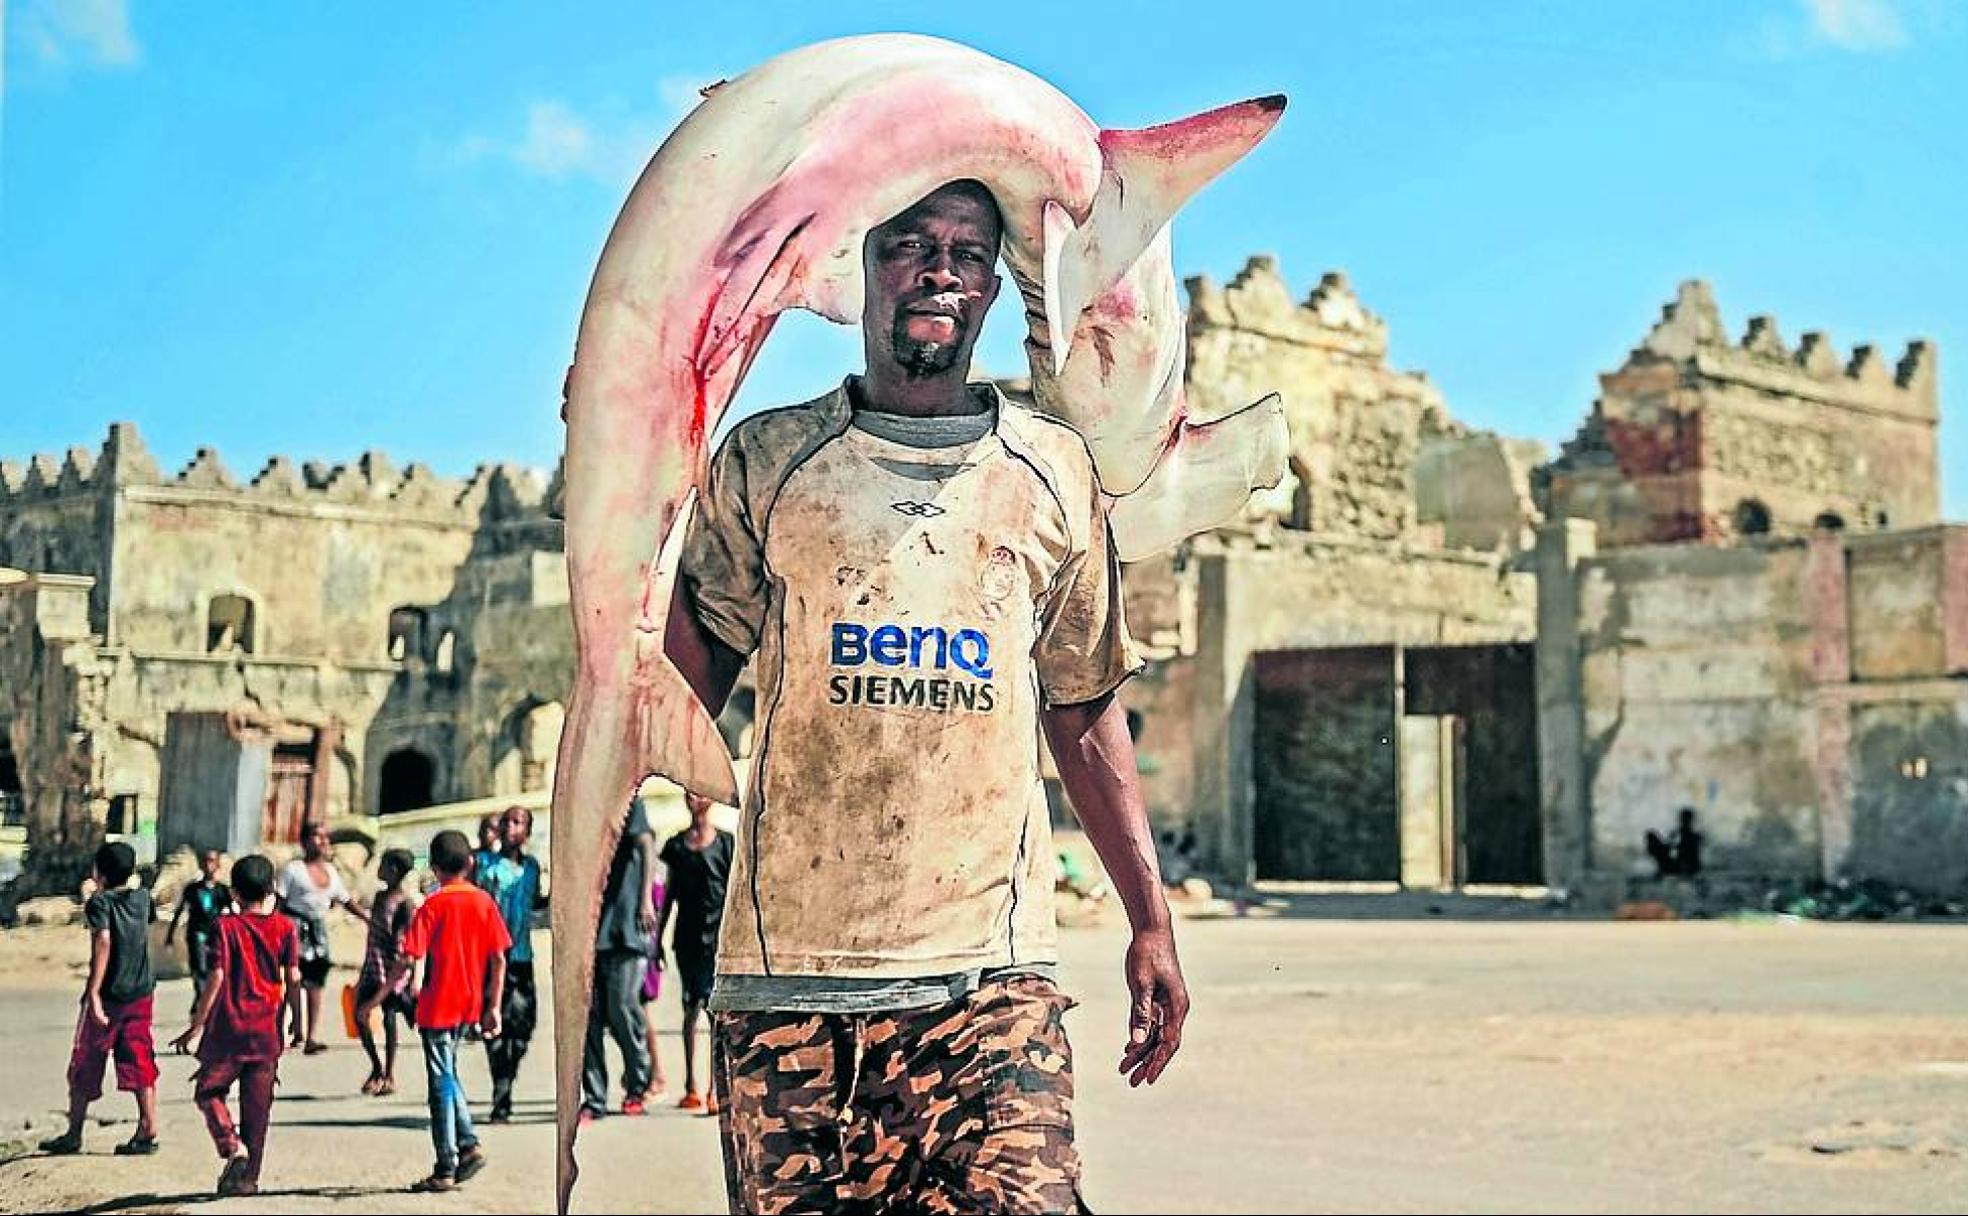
(13, 799)
(408, 782)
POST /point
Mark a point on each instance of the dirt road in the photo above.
(1478, 1064)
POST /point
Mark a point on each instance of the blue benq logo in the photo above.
(934, 662)
(918, 646)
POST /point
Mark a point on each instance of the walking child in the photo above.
(699, 861)
(116, 1006)
(462, 941)
(512, 879)
(309, 888)
(256, 961)
(200, 907)
(389, 920)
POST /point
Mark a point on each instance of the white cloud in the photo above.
(95, 31)
(557, 142)
(1856, 25)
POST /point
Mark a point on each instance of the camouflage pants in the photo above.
(965, 1107)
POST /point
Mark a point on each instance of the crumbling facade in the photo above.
(1429, 657)
(1749, 608)
(1314, 669)
(1697, 438)
(202, 661)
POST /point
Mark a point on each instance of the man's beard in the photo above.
(921, 360)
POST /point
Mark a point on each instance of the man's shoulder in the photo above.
(777, 437)
(1059, 449)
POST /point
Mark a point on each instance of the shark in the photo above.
(759, 202)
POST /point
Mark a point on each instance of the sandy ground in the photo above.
(1362, 1059)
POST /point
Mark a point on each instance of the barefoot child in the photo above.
(389, 920)
(116, 1006)
(462, 942)
(256, 960)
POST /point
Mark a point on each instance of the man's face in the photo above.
(931, 279)
(489, 833)
(315, 843)
(518, 826)
(209, 864)
(699, 805)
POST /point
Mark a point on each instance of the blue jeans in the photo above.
(451, 1122)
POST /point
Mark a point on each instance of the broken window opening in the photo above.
(1752, 517)
(406, 633)
(229, 624)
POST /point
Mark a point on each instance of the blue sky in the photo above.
(320, 229)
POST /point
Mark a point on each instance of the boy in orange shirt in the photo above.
(461, 940)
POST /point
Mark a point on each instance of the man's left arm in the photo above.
(1083, 655)
(1095, 755)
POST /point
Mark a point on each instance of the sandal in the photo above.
(232, 1179)
(314, 1049)
(138, 1145)
(470, 1162)
(64, 1145)
(384, 1088)
(435, 1184)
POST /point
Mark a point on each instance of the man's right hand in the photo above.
(97, 1013)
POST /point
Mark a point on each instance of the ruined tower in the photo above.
(1697, 438)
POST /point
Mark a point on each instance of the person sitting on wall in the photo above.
(1678, 854)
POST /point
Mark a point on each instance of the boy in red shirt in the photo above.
(256, 961)
(462, 940)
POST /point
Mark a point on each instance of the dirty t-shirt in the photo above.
(912, 609)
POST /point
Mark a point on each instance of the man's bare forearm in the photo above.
(709, 666)
(1095, 756)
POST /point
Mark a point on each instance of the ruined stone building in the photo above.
(1432, 656)
(193, 659)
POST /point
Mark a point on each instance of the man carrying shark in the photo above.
(925, 575)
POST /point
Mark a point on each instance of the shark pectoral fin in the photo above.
(593, 783)
(758, 268)
(1203, 480)
(678, 738)
(1060, 323)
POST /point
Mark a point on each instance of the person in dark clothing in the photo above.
(389, 919)
(512, 879)
(699, 862)
(1678, 854)
(200, 907)
(116, 1006)
(628, 925)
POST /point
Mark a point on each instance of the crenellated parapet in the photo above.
(1259, 301)
(1699, 436)
(1691, 333)
(372, 481)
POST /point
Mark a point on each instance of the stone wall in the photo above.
(1697, 438)
(1356, 423)
(1303, 592)
(1807, 698)
(354, 594)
